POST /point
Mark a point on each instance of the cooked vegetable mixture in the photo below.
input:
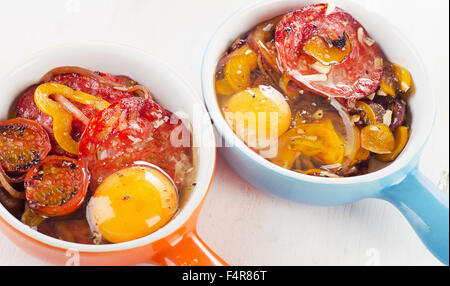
(313, 93)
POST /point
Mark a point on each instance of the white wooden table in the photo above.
(242, 224)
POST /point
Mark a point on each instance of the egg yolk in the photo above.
(258, 115)
(132, 203)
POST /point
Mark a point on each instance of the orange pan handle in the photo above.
(189, 251)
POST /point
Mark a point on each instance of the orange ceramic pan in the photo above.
(177, 243)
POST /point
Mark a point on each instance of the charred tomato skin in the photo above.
(56, 187)
(23, 144)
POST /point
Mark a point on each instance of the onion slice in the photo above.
(141, 90)
(5, 184)
(9, 202)
(258, 39)
(349, 130)
(71, 108)
(81, 71)
(330, 7)
(399, 114)
(269, 75)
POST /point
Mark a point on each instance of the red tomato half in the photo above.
(56, 187)
(356, 77)
(23, 144)
(135, 129)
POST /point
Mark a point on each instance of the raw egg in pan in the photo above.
(132, 203)
(258, 115)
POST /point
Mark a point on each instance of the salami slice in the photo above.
(357, 76)
(134, 129)
(92, 86)
(27, 108)
(23, 144)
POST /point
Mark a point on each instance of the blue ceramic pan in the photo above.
(400, 183)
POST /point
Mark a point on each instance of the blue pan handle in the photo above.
(426, 208)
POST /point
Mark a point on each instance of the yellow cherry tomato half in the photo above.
(223, 87)
(286, 156)
(238, 69)
(132, 203)
(377, 138)
(319, 140)
(368, 111)
(401, 138)
(318, 48)
(404, 78)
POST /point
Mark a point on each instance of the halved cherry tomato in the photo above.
(319, 140)
(359, 73)
(286, 156)
(368, 111)
(223, 87)
(23, 144)
(361, 156)
(377, 138)
(403, 77)
(56, 187)
(237, 71)
(401, 138)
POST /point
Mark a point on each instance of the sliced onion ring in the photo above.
(9, 202)
(71, 108)
(12, 180)
(349, 130)
(269, 75)
(30, 218)
(5, 184)
(258, 39)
